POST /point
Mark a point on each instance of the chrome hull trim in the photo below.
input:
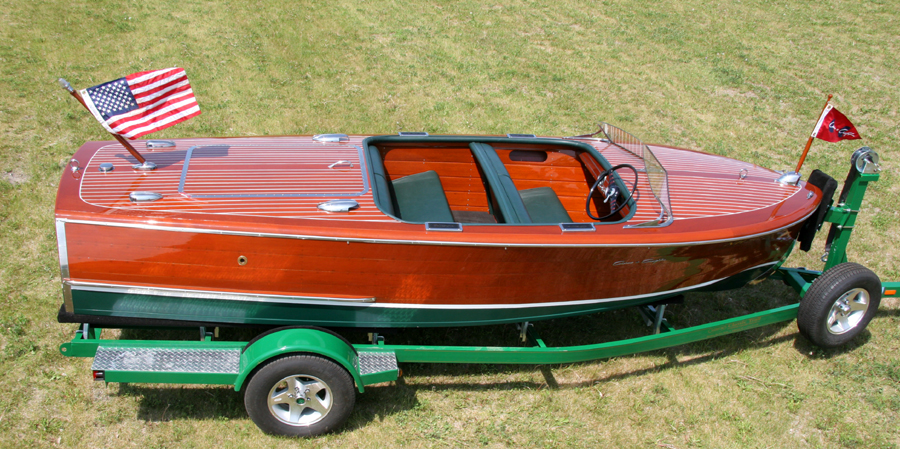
(423, 242)
(207, 294)
(63, 249)
(363, 302)
(67, 298)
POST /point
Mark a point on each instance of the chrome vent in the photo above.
(160, 144)
(331, 138)
(141, 197)
(338, 205)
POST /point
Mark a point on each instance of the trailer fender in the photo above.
(298, 341)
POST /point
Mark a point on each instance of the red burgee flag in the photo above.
(834, 126)
(142, 103)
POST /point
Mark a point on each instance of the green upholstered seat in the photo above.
(544, 206)
(504, 189)
(420, 198)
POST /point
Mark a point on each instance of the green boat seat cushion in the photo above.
(420, 198)
(504, 189)
(544, 206)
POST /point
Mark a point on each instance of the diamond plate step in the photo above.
(181, 360)
(375, 362)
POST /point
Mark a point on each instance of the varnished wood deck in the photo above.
(287, 177)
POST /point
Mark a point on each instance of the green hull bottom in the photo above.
(222, 312)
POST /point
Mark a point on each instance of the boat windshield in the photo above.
(657, 176)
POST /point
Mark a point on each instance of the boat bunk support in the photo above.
(540, 353)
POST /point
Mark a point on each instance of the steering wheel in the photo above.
(611, 192)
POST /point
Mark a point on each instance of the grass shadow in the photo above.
(811, 351)
(166, 403)
(673, 362)
(161, 403)
(698, 308)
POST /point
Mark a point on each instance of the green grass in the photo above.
(744, 79)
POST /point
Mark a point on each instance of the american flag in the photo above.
(142, 103)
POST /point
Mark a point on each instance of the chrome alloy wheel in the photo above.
(848, 311)
(300, 400)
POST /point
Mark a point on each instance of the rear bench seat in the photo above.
(419, 197)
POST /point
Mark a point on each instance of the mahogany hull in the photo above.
(159, 274)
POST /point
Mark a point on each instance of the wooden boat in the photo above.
(410, 230)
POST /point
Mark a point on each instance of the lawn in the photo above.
(745, 79)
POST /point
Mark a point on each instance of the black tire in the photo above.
(325, 400)
(839, 305)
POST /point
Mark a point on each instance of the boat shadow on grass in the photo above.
(164, 403)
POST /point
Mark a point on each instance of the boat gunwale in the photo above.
(426, 242)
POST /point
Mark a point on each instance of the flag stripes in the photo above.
(152, 101)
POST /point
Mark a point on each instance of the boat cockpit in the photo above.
(498, 180)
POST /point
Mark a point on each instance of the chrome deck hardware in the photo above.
(141, 197)
(438, 226)
(338, 205)
(331, 138)
(341, 164)
(146, 166)
(789, 178)
(160, 144)
(577, 227)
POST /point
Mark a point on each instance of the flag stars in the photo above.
(113, 98)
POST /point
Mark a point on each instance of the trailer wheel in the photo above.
(301, 395)
(839, 305)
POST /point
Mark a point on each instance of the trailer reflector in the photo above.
(890, 292)
(98, 375)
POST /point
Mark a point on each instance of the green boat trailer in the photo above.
(299, 381)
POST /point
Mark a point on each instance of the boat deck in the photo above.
(696, 181)
(287, 177)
